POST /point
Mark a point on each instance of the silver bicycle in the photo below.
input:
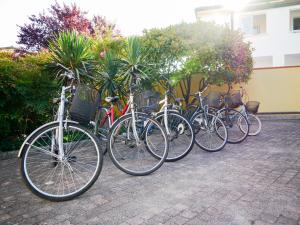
(131, 137)
(179, 129)
(210, 131)
(61, 159)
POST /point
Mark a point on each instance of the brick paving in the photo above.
(256, 182)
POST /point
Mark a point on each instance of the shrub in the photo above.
(25, 93)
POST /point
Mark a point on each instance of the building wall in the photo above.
(279, 40)
(277, 89)
(272, 46)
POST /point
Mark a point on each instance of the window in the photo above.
(292, 60)
(253, 24)
(295, 20)
(262, 61)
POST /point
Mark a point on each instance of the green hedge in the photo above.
(26, 90)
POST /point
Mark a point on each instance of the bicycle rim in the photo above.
(132, 157)
(56, 179)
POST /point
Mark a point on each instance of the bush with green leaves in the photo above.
(26, 90)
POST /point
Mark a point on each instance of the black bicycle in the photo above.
(210, 131)
(222, 105)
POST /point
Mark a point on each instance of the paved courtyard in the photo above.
(256, 182)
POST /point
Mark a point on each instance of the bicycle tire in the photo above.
(176, 131)
(231, 116)
(199, 124)
(252, 130)
(125, 144)
(28, 179)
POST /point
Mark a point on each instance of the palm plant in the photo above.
(108, 79)
(133, 61)
(72, 50)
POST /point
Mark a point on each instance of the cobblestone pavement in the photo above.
(256, 182)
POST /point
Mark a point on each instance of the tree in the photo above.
(164, 50)
(45, 26)
(217, 53)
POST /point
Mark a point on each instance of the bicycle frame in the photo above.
(244, 112)
(60, 119)
(164, 108)
(201, 108)
(129, 106)
(110, 114)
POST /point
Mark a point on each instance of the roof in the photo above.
(254, 5)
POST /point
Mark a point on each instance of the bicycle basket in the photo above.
(213, 100)
(252, 106)
(234, 100)
(84, 104)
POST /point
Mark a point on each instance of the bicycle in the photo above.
(61, 159)
(179, 130)
(132, 135)
(236, 123)
(210, 131)
(105, 117)
(249, 110)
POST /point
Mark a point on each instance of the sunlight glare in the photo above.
(234, 5)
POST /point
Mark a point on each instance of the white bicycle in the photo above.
(61, 159)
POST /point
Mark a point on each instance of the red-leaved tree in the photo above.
(45, 26)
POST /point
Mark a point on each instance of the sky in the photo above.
(130, 16)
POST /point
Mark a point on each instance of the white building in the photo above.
(272, 26)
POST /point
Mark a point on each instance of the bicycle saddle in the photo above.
(111, 99)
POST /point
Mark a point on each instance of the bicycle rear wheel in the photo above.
(132, 157)
(210, 132)
(55, 179)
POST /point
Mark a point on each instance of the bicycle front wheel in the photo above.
(210, 132)
(236, 124)
(254, 125)
(128, 141)
(181, 137)
(58, 179)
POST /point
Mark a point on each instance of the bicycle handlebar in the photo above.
(68, 73)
